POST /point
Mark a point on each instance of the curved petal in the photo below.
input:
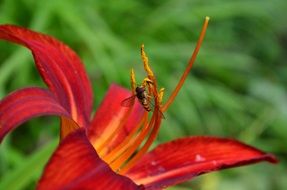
(59, 67)
(76, 165)
(182, 159)
(24, 104)
(112, 114)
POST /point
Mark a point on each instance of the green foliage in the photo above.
(237, 87)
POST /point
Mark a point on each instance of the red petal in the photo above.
(110, 114)
(76, 165)
(60, 68)
(182, 159)
(24, 104)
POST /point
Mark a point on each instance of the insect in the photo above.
(143, 97)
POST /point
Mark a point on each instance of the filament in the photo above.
(146, 146)
(118, 150)
(118, 163)
(101, 147)
(155, 122)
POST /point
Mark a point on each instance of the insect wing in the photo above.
(158, 110)
(128, 102)
(160, 113)
(162, 116)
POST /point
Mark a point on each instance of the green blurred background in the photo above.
(237, 87)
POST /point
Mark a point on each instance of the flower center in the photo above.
(131, 149)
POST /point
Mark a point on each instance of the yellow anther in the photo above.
(160, 94)
(147, 82)
(133, 81)
(146, 64)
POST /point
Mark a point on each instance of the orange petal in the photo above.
(111, 115)
(60, 68)
(76, 165)
(183, 159)
(25, 104)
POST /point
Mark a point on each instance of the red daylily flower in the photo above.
(110, 151)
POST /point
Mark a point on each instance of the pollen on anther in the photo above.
(133, 81)
(146, 63)
(160, 94)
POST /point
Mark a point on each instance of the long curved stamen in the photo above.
(190, 63)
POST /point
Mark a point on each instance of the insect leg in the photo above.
(146, 81)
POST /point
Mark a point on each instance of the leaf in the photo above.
(28, 170)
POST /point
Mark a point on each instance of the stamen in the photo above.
(190, 63)
(118, 150)
(151, 83)
(153, 125)
(100, 149)
(160, 95)
(146, 146)
(133, 81)
(124, 157)
(146, 64)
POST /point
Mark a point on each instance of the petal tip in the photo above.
(271, 158)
